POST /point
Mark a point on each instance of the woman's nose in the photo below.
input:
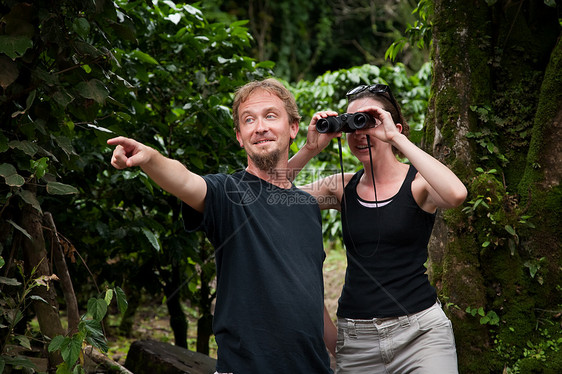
(359, 134)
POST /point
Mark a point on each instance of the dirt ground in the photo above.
(334, 273)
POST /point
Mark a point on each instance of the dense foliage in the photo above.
(308, 38)
(75, 73)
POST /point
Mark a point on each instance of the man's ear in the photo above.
(239, 138)
(294, 129)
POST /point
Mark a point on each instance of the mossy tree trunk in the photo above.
(495, 117)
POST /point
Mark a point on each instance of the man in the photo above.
(267, 238)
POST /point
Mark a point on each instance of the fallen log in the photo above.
(154, 357)
(95, 360)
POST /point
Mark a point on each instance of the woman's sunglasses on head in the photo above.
(376, 89)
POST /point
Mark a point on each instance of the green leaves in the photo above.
(14, 46)
(97, 308)
(57, 188)
(12, 178)
(418, 34)
(18, 361)
(81, 26)
(120, 298)
(94, 334)
(9, 72)
(490, 318)
(19, 228)
(30, 198)
(26, 146)
(93, 89)
(70, 347)
(9, 281)
(144, 57)
(89, 329)
(151, 238)
(534, 265)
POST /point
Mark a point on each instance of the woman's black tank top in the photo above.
(386, 245)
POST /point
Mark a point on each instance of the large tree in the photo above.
(495, 117)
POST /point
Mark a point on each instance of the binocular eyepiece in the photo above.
(347, 122)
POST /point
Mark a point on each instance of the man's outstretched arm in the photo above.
(169, 174)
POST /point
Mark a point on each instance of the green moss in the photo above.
(454, 217)
(541, 352)
(545, 209)
(551, 365)
(436, 272)
(549, 103)
(468, 338)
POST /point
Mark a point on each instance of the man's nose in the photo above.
(261, 126)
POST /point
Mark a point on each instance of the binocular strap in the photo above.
(374, 188)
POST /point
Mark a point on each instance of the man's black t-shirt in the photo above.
(268, 250)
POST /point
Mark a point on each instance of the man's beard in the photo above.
(266, 162)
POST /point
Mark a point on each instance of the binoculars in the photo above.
(347, 122)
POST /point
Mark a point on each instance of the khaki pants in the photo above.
(420, 343)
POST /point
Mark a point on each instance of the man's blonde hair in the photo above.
(272, 86)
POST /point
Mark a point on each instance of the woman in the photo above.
(389, 318)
